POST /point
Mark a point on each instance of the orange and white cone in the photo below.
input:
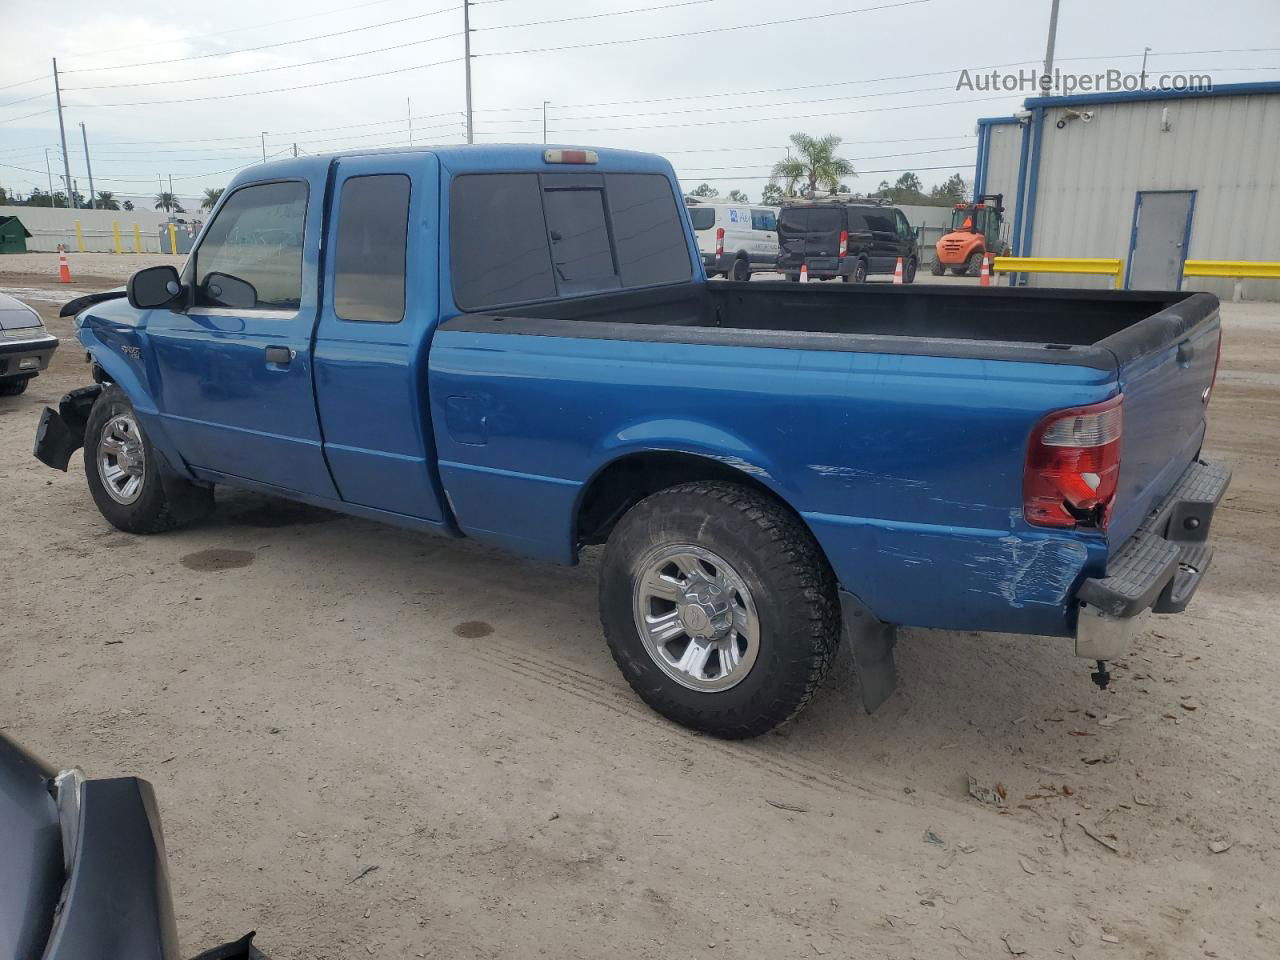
(64, 271)
(984, 278)
(804, 273)
(897, 271)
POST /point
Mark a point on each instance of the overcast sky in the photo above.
(720, 104)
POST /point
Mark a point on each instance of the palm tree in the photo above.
(816, 164)
(128, 204)
(107, 200)
(211, 197)
(168, 202)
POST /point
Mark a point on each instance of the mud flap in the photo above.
(871, 642)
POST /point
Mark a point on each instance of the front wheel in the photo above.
(12, 388)
(937, 268)
(123, 469)
(973, 266)
(909, 272)
(718, 607)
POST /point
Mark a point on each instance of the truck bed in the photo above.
(1089, 328)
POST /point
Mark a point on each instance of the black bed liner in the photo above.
(1100, 329)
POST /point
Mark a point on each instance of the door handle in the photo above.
(1186, 351)
(279, 355)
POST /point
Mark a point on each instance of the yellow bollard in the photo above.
(137, 239)
(173, 238)
(115, 234)
(79, 237)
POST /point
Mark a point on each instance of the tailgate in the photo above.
(1166, 369)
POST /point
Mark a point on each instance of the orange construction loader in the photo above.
(976, 228)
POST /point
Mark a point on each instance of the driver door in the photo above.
(233, 372)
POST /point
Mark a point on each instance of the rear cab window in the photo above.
(370, 248)
(522, 237)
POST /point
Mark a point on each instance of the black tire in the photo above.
(150, 510)
(909, 272)
(11, 388)
(741, 269)
(788, 580)
(937, 268)
(973, 266)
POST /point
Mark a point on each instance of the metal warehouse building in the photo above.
(1151, 177)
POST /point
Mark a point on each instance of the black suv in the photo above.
(845, 238)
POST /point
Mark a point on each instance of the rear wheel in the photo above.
(123, 469)
(741, 269)
(909, 272)
(718, 608)
(11, 388)
(973, 266)
(858, 275)
(937, 268)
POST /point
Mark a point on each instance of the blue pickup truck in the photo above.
(520, 345)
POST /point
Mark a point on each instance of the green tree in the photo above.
(950, 191)
(39, 198)
(704, 190)
(771, 195)
(906, 189)
(815, 164)
(168, 202)
(107, 200)
(128, 204)
(211, 197)
(4, 195)
(737, 196)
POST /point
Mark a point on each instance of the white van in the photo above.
(734, 238)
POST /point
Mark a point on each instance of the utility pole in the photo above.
(1143, 76)
(295, 150)
(88, 166)
(409, 108)
(1046, 81)
(466, 50)
(264, 146)
(544, 120)
(160, 180)
(172, 199)
(49, 171)
(62, 130)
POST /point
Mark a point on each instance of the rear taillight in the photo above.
(1073, 464)
(719, 241)
(844, 242)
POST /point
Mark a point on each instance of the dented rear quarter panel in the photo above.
(908, 469)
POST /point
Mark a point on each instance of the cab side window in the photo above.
(370, 249)
(251, 254)
(904, 229)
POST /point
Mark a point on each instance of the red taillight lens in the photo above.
(719, 241)
(844, 242)
(1073, 464)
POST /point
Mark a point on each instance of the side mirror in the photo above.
(154, 287)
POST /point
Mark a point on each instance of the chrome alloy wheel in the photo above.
(696, 617)
(121, 459)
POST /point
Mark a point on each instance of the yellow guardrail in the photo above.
(1232, 269)
(1094, 265)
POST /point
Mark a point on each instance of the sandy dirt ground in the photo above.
(372, 743)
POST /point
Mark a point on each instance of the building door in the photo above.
(1161, 233)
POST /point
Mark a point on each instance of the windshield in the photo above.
(794, 220)
(704, 218)
(962, 219)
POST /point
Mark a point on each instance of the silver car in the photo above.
(26, 347)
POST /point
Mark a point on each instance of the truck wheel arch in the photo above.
(624, 481)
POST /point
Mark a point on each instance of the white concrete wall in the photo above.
(50, 226)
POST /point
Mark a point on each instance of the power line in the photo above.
(706, 31)
(857, 173)
(267, 46)
(14, 103)
(27, 116)
(258, 93)
(278, 67)
(874, 156)
(204, 37)
(591, 16)
(23, 83)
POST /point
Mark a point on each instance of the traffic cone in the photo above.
(804, 273)
(897, 271)
(984, 278)
(64, 271)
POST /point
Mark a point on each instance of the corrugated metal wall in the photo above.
(1004, 146)
(51, 226)
(1227, 148)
